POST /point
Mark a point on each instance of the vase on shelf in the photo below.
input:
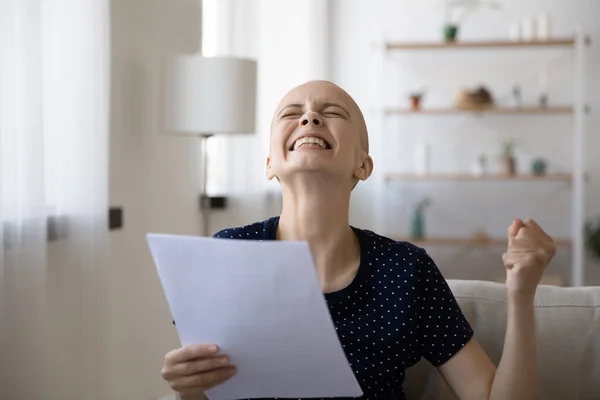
(508, 166)
(539, 167)
(417, 231)
(480, 167)
(508, 162)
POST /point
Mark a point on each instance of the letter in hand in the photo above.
(529, 251)
(191, 370)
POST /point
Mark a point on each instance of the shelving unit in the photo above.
(575, 178)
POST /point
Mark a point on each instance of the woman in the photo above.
(389, 302)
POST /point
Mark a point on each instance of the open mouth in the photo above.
(310, 142)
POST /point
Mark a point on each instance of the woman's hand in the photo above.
(191, 370)
(529, 251)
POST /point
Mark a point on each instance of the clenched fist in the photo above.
(529, 251)
(193, 369)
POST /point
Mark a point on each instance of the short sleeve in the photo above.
(443, 328)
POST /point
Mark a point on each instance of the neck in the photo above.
(319, 214)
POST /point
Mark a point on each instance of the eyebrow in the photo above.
(324, 105)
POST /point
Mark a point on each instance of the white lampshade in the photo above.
(210, 95)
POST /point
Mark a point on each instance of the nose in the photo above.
(311, 118)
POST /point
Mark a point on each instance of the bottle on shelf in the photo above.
(543, 27)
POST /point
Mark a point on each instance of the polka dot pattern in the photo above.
(397, 309)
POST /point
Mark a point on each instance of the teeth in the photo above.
(310, 141)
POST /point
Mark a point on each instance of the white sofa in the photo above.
(568, 329)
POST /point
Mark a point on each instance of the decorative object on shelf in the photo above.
(456, 13)
(516, 96)
(450, 32)
(508, 160)
(418, 220)
(592, 237)
(423, 158)
(481, 166)
(543, 27)
(539, 167)
(543, 88)
(477, 99)
(527, 28)
(514, 32)
(416, 98)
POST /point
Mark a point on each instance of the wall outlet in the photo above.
(115, 218)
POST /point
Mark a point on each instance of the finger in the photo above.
(513, 229)
(530, 222)
(191, 352)
(204, 380)
(196, 366)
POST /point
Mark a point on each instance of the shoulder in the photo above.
(391, 247)
(402, 255)
(260, 230)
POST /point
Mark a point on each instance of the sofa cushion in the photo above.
(568, 331)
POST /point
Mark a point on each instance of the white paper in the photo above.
(261, 303)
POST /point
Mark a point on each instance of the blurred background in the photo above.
(478, 112)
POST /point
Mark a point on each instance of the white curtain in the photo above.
(54, 80)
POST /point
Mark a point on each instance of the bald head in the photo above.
(320, 90)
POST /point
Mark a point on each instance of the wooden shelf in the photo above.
(493, 111)
(473, 177)
(491, 44)
(477, 241)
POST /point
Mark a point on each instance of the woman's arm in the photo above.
(470, 373)
(517, 372)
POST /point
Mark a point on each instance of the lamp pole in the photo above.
(205, 205)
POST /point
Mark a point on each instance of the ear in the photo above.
(270, 173)
(364, 171)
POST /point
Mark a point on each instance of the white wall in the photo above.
(155, 178)
(461, 208)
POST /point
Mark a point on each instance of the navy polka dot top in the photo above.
(397, 309)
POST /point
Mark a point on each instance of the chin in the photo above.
(309, 165)
(312, 173)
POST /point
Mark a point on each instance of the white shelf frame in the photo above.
(578, 45)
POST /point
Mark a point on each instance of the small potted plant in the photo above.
(464, 8)
(592, 237)
(508, 160)
(416, 98)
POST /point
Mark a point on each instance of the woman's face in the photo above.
(318, 128)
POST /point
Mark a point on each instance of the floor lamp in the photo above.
(206, 96)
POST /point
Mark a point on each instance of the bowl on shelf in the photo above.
(478, 99)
